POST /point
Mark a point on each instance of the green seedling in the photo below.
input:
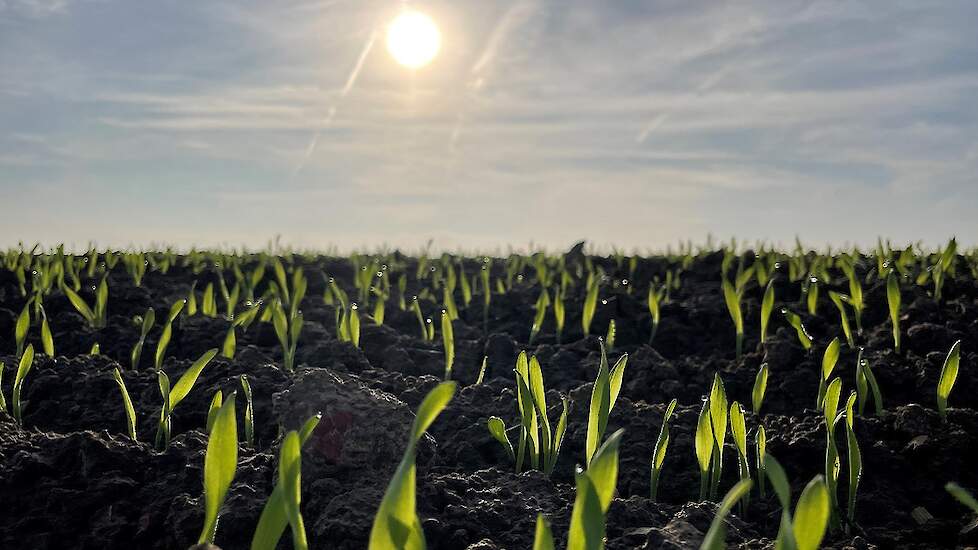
(738, 431)
(249, 415)
(829, 360)
(396, 524)
(604, 394)
(3, 400)
(840, 304)
(208, 304)
(47, 339)
(767, 307)
(812, 296)
(656, 297)
(832, 462)
(732, 299)
(537, 438)
(220, 465)
(448, 342)
(944, 265)
(94, 316)
(893, 301)
(661, 445)
(21, 327)
(23, 368)
(482, 370)
(760, 445)
(542, 304)
(230, 344)
(760, 388)
(807, 529)
(288, 329)
(714, 539)
(146, 323)
(949, 374)
(866, 385)
(595, 490)
(560, 314)
(855, 459)
(704, 444)
(277, 513)
(718, 425)
(590, 306)
(795, 321)
(610, 336)
(855, 299)
(127, 403)
(962, 495)
(214, 408)
(167, 333)
(173, 397)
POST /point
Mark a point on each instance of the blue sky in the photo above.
(633, 122)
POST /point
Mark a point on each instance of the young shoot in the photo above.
(126, 403)
(249, 415)
(21, 327)
(704, 444)
(220, 465)
(656, 297)
(213, 409)
(855, 459)
(590, 306)
(167, 333)
(840, 304)
(866, 385)
(448, 343)
(829, 360)
(732, 299)
(604, 394)
(714, 539)
(893, 301)
(47, 339)
(595, 491)
(738, 431)
(542, 304)
(760, 388)
(23, 368)
(949, 374)
(396, 524)
(277, 513)
(661, 445)
(795, 321)
(767, 306)
(145, 324)
(288, 329)
(95, 316)
(718, 425)
(173, 396)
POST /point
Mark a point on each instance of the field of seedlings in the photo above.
(705, 397)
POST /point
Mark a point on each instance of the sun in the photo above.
(413, 39)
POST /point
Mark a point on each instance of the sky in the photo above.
(634, 123)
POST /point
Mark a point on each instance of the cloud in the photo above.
(636, 122)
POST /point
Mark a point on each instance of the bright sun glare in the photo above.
(413, 39)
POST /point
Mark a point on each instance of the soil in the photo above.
(71, 478)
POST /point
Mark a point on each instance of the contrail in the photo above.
(331, 113)
(654, 124)
(515, 16)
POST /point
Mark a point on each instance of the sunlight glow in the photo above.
(413, 39)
